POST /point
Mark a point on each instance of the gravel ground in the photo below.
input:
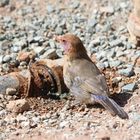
(29, 26)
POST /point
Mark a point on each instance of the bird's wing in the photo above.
(88, 76)
(96, 85)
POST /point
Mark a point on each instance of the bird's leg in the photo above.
(76, 103)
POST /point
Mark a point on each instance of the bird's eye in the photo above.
(63, 40)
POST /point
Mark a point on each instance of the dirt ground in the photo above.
(108, 127)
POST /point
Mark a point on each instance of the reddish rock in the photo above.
(25, 56)
(18, 106)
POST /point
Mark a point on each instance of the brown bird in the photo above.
(83, 78)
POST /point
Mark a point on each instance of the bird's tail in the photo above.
(110, 105)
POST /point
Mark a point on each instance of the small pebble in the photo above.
(116, 79)
(50, 9)
(126, 72)
(114, 43)
(6, 58)
(4, 3)
(52, 44)
(115, 63)
(129, 87)
(11, 91)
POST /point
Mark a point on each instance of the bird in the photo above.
(83, 78)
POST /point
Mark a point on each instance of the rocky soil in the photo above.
(27, 27)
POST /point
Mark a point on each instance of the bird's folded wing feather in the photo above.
(96, 85)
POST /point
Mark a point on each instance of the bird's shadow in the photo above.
(121, 99)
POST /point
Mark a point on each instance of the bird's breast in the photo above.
(67, 74)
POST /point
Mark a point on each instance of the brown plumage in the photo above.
(83, 78)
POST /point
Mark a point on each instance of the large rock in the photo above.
(8, 81)
(18, 106)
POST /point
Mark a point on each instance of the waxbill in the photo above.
(83, 78)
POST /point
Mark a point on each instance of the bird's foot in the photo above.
(75, 103)
(79, 106)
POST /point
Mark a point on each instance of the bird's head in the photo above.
(72, 45)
